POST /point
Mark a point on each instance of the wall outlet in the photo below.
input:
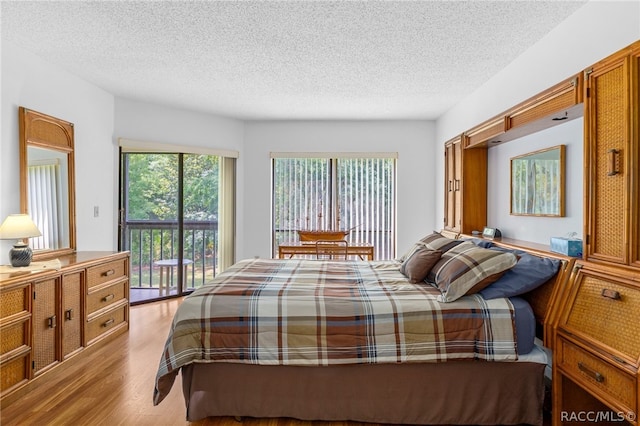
(96, 211)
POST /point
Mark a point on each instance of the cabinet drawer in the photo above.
(15, 301)
(106, 272)
(107, 322)
(14, 372)
(606, 309)
(105, 297)
(598, 375)
(14, 336)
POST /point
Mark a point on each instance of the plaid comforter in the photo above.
(315, 313)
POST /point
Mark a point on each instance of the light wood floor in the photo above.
(114, 385)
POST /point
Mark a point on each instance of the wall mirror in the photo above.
(537, 183)
(47, 181)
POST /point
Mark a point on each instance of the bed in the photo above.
(356, 340)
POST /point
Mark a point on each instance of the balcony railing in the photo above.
(150, 240)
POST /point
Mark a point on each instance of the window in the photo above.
(353, 192)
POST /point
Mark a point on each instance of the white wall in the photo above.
(413, 140)
(156, 123)
(593, 32)
(33, 83)
(528, 228)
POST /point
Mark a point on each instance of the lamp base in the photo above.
(20, 255)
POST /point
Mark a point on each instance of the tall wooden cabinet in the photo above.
(465, 187)
(612, 162)
(596, 368)
(48, 316)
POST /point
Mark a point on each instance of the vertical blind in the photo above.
(44, 204)
(356, 194)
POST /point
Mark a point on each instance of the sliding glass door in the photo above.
(169, 221)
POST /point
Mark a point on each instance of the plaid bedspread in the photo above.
(315, 313)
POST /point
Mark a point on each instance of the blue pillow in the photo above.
(529, 273)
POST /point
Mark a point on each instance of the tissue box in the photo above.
(567, 246)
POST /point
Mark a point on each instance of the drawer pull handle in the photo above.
(68, 314)
(611, 294)
(109, 272)
(52, 322)
(457, 185)
(108, 297)
(450, 186)
(108, 322)
(589, 372)
(614, 162)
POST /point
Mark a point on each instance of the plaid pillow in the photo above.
(467, 269)
(434, 241)
(419, 263)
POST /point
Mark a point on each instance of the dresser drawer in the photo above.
(14, 372)
(107, 296)
(107, 322)
(606, 309)
(106, 272)
(597, 375)
(15, 301)
(14, 336)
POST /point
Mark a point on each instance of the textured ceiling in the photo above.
(285, 60)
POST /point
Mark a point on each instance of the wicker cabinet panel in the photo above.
(612, 159)
(606, 308)
(479, 135)
(15, 301)
(14, 336)
(107, 296)
(45, 324)
(72, 318)
(617, 386)
(607, 211)
(107, 322)
(106, 272)
(556, 100)
(14, 372)
(635, 155)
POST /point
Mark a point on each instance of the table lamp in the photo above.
(19, 227)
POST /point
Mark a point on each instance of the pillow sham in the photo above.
(419, 263)
(528, 274)
(433, 241)
(467, 269)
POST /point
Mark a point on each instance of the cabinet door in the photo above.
(607, 161)
(602, 308)
(72, 291)
(635, 145)
(45, 324)
(452, 203)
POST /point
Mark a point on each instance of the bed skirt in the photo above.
(455, 392)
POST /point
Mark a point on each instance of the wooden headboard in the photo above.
(544, 300)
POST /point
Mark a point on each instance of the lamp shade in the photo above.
(17, 226)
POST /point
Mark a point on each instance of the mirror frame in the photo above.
(44, 131)
(558, 174)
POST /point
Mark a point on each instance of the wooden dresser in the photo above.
(49, 316)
